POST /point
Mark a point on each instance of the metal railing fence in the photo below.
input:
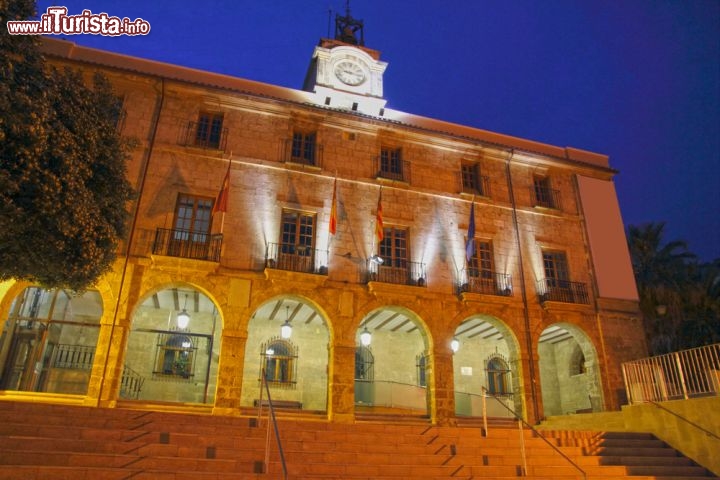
(398, 271)
(296, 258)
(487, 282)
(555, 290)
(523, 424)
(187, 244)
(678, 375)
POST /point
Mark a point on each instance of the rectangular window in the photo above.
(544, 194)
(297, 238)
(190, 237)
(391, 165)
(481, 269)
(298, 232)
(193, 215)
(303, 148)
(556, 269)
(472, 181)
(393, 248)
(481, 263)
(209, 129)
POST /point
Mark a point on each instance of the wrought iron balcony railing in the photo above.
(398, 170)
(200, 134)
(305, 153)
(554, 290)
(488, 283)
(75, 357)
(545, 197)
(296, 258)
(401, 272)
(187, 244)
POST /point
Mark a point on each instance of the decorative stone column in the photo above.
(230, 372)
(442, 382)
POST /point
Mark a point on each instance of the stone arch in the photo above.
(566, 385)
(50, 338)
(157, 366)
(311, 337)
(314, 303)
(401, 344)
(481, 337)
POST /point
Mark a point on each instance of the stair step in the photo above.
(40, 441)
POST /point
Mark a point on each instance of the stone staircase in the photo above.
(41, 441)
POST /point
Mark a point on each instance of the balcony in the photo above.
(554, 290)
(397, 170)
(545, 197)
(199, 134)
(296, 258)
(403, 273)
(306, 153)
(488, 283)
(186, 244)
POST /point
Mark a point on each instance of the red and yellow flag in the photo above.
(221, 201)
(333, 210)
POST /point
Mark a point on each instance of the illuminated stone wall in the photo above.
(430, 205)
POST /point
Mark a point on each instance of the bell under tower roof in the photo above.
(347, 27)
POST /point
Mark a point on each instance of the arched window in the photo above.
(279, 360)
(364, 364)
(498, 376)
(176, 356)
(577, 361)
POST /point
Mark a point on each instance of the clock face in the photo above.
(350, 73)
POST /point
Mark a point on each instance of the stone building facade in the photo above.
(538, 308)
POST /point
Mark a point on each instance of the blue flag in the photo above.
(470, 245)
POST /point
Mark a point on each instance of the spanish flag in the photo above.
(333, 210)
(379, 232)
(222, 197)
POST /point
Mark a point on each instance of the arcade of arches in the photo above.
(176, 348)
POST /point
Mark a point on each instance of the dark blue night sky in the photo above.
(638, 80)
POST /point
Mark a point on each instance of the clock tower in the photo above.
(344, 74)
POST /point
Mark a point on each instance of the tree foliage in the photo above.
(63, 189)
(679, 296)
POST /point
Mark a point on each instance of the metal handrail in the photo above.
(534, 430)
(686, 420)
(275, 427)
